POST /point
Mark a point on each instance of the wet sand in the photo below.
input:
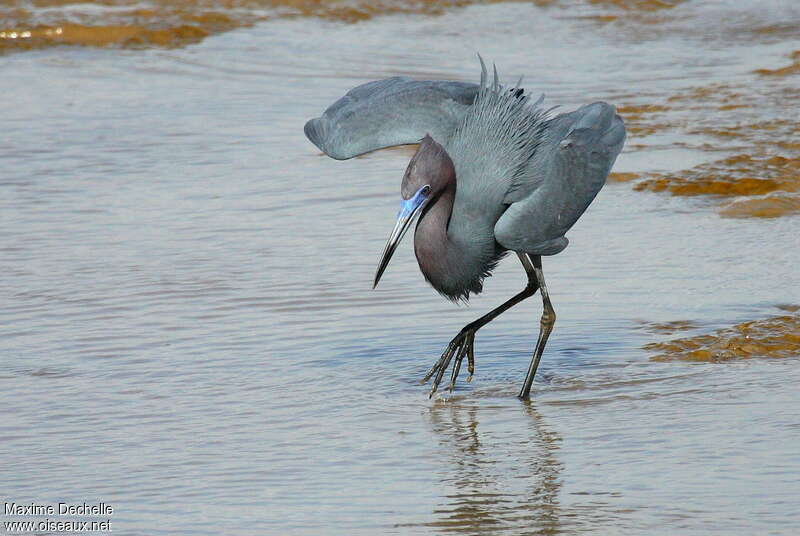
(188, 331)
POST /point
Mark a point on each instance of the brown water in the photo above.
(187, 330)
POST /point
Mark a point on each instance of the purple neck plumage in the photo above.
(431, 243)
(453, 261)
(442, 258)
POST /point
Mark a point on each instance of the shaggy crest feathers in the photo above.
(500, 133)
(495, 142)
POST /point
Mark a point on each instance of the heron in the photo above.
(494, 172)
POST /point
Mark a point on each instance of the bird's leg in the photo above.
(462, 344)
(547, 322)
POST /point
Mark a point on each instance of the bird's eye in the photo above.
(425, 190)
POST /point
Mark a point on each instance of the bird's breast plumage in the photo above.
(454, 263)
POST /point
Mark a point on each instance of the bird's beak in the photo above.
(408, 211)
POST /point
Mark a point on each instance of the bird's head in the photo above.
(428, 174)
(430, 166)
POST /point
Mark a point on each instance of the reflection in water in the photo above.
(500, 477)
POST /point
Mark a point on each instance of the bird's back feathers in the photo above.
(494, 142)
(561, 180)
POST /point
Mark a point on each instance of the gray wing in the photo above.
(565, 174)
(394, 111)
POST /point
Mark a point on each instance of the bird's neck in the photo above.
(432, 246)
(431, 242)
(446, 261)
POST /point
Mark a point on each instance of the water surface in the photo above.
(188, 331)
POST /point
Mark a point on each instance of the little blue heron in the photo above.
(493, 173)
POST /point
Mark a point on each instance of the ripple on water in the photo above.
(187, 317)
(769, 206)
(774, 337)
(763, 165)
(741, 174)
(793, 68)
(169, 24)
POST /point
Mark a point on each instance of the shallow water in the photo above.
(188, 331)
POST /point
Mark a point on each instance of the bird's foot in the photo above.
(461, 345)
